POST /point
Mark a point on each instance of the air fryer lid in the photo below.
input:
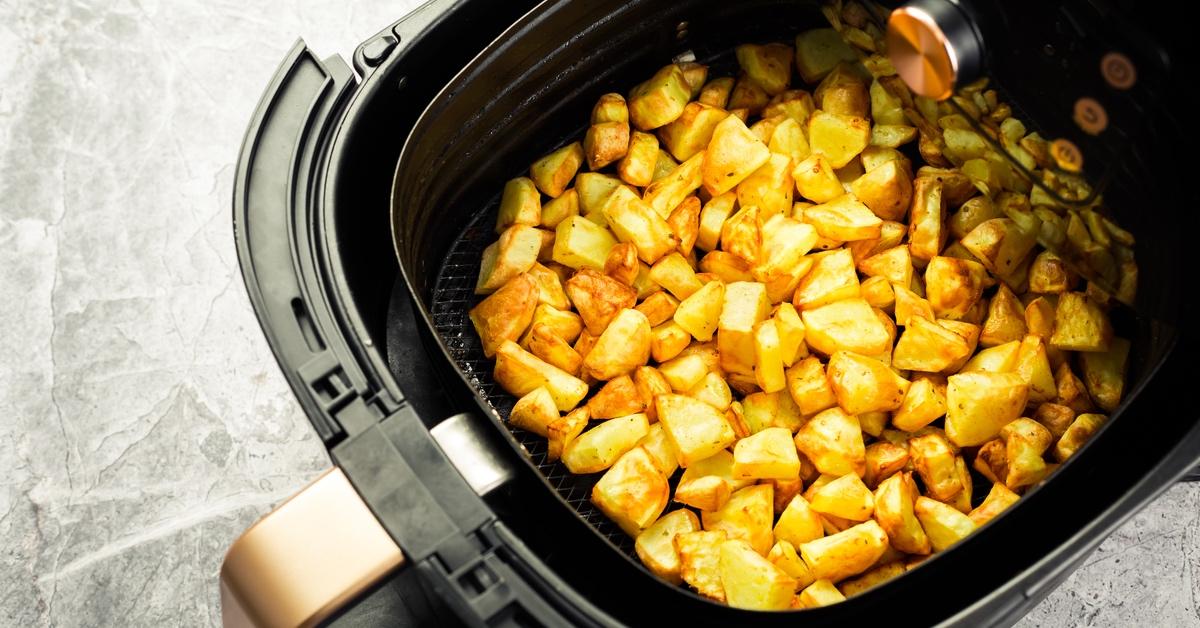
(527, 94)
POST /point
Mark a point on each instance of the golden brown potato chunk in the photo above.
(747, 515)
(554, 172)
(839, 137)
(1080, 324)
(624, 346)
(894, 510)
(980, 404)
(655, 545)
(700, 561)
(863, 384)
(696, 429)
(659, 100)
(847, 553)
(751, 581)
(733, 153)
(769, 65)
(506, 313)
(833, 441)
(632, 492)
(598, 299)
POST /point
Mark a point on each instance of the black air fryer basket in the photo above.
(380, 352)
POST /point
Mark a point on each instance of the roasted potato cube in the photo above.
(767, 455)
(632, 492)
(551, 294)
(819, 593)
(791, 334)
(798, 523)
(924, 403)
(593, 189)
(712, 218)
(747, 515)
(833, 441)
(732, 155)
(624, 346)
(874, 156)
(747, 98)
(846, 553)
(910, 305)
(563, 430)
(974, 212)
(872, 578)
(862, 384)
(1082, 428)
(884, 459)
(1033, 365)
(656, 443)
(674, 273)
(843, 219)
(831, 279)
(885, 107)
(559, 209)
(665, 194)
(622, 263)
(668, 340)
(785, 241)
(933, 459)
(769, 187)
(997, 501)
(598, 298)
(788, 139)
(519, 372)
(894, 510)
(658, 307)
(685, 222)
(696, 429)
(1025, 440)
(663, 165)
(707, 483)
(514, 253)
(1000, 245)
(580, 243)
(520, 204)
(838, 136)
(953, 286)
(927, 346)
(554, 172)
(599, 448)
(605, 143)
(713, 390)
(1054, 418)
(635, 222)
(1080, 324)
(927, 231)
(696, 74)
(878, 292)
(655, 545)
(659, 100)
(769, 65)
(894, 264)
(534, 412)
(998, 359)
(650, 383)
(846, 497)
(819, 51)
(727, 267)
(506, 313)
(844, 92)
(715, 93)
(1049, 274)
(546, 344)
(849, 324)
(700, 561)
(618, 397)
(980, 404)
(796, 104)
(1104, 373)
(744, 307)
(886, 190)
(610, 108)
(892, 135)
(637, 166)
(1071, 391)
(751, 581)
(699, 313)
(783, 555)
(684, 372)
(944, 525)
(1005, 320)
(816, 180)
(768, 357)
(808, 386)
(761, 410)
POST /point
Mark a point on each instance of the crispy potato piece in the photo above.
(658, 307)
(886, 190)
(1005, 320)
(696, 429)
(924, 403)
(593, 189)
(715, 93)
(751, 581)
(788, 139)
(732, 155)
(692, 130)
(699, 313)
(700, 561)
(674, 273)
(862, 384)
(974, 212)
(519, 372)
(999, 244)
(559, 209)
(546, 344)
(665, 194)
(696, 74)
(1025, 440)
(1054, 418)
(599, 299)
(846, 553)
(605, 143)
(520, 204)
(1104, 373)
(884, 459)
(747, 515)
(563, 430)
(944, 525)
(660, 100)
(618, 397)
(980, 404)
(554, 172)
(885, 107)
(506, 313)
(635, 222)
(843, 92)
(514, 253)
(550, 290)
(534, 412)
(798, 523)
(663, 165)
(632, 492)
(769, 65)
(668, 340)
(655, 545)
(1082, 428)
(767, 455)
(894, 510)
(610, 108)
(796, 104)
(624, 346)
(997, 501)
(599, 448)
(833, 441)
(1049, 275)
(808, 386)
(832, 278)
(875, 577)
(819, 51)
(844, 219)
(769, 187)
(741, 235)
(819, 593)
(650, 383)
(637, 166)
(846, 497)
(768, 357)
(685, 222)
(747, 98)
(927, 346)
(785, 241)
(622, 263)
(1071, 391)
(684, 372)
(713, 390)
(910, 305)
(849, 324)
(933, 458)
(696, 488)
(580, 243)
(998, 359)
(744, 307)
(791, 334)
(892, 135)
(927, 233)
(838, 136)
(894, 264)
(1033, 365)
(953, 286)
(712, 219)
(783, 555)
(761, 410)
(726, 266)
(816, 180)
(1080, 324)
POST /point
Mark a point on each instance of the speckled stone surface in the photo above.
(143, 421)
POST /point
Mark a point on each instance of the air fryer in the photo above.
(434, 496)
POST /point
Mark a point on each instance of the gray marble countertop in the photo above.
(143, 421)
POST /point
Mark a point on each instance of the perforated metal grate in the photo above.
(453, 296)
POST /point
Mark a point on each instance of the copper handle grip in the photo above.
(307, 558)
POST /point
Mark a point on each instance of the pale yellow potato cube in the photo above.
(699, 313)
(667, 341)
(979, 404)
(691, 132)
(1025, 440)
(663, 165)
(844, 219)
(559, 209)
(944, 525)
(767, 455)
(816, 180)
(820, 593)
(790, 328)
(708, 483)
(924, 403)
(1033, 365)
(666, 193)
(656, 443)
(751, 581)
(745, 306)
(580, 243)
(873, 578)
(768, 357)
(769, 187)
(1080, 324)
(953, 286)
(593, 189)
(846, 553)
(849, 324)
(798, 523)
(747, 515)
(1000, 245)
(843, 91)
(550, 291)
(712, 218)
(862, 384)
(514, 253)
(933, 458)
(768, 65)
(554, 172)
(563, 430)
(684, 372)
(894, 264)
(927, 346)
(659, 100)
(927, 231)
(819, 51)
(520, 204)
(535, 412)
(839, 137)
(732, 155)
(637, 166)
(676, 275)
(892, 135)
(632, 492)
(713, 390)
(809, 387)
(846, 497)
(833, 441)
(655, 545)
(700, 561)
(624, 346)
(788, 139)
(761, 410)
(726, 266)
(633, 221)
(783, 555)
(696, 429)
(1103, 373)
(610, 107)
(519, 372)
(599, 448)
(1081, 429)
(685, 222)
(832, 278)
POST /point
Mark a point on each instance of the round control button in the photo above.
(1090, 116)
(1118, 71)
(1067, 155)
